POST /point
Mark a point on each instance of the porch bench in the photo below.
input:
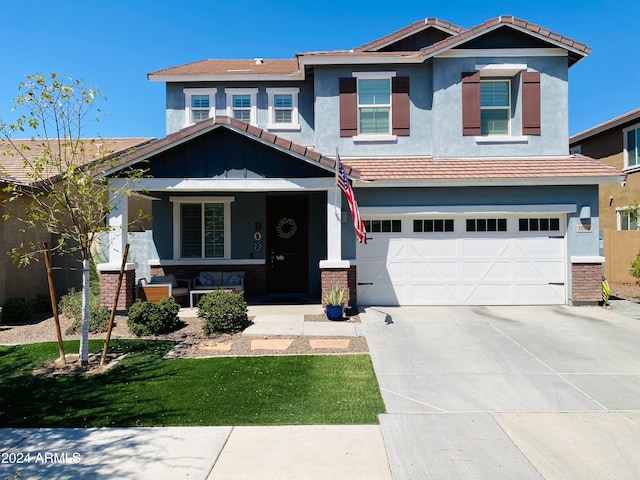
(233, 281)
(163, 286)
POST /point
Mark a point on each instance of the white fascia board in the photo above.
(487, 182)
(230, 184)
(503, 52)
(248, 77)
(360, 59)
(464, 209)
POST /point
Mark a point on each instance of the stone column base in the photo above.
(586, 283)
(345, 277)
(108, 285)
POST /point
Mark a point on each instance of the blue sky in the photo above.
(114, 44)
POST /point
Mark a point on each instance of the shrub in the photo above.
(17, 310)
(41, 303)
(148, 318)
(634, 271)
(71, 304)
(223, 312)
(98, 321)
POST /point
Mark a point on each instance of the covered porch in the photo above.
(227, 197)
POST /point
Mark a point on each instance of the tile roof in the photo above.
(249, 131)
(410, 30)
(12, 168)
(235, 67)
(628, 117)
(427, 168)
(579, 48)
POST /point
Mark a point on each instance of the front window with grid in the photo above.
(632, 147)
(383, 226)
(495, 107)
(202, 230)
(374, 106)
(486, 225)
(200, 104)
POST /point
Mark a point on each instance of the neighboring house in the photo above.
(616, 143)
(31, 280)
(456, 143)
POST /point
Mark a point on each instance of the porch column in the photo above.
(334, 269)
(118, 226)
(334, 225)
(109, 272)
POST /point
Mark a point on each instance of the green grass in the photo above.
(147, 390)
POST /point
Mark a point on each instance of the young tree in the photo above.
(67, 193)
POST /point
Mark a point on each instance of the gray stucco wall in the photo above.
(448, 140)
(175, 106)
(328, 108)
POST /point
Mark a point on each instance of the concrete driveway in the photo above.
(508, 392)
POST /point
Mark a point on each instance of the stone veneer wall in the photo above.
(346, 277)
(108, 285)
(586, 283)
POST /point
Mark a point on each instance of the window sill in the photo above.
(502, 139)
(282, 126)
(375, 138)
(631, 169)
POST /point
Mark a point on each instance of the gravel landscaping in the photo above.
(192, 340)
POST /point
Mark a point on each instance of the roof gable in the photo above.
(413, 37)
(298, 152)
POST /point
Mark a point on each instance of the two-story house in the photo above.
(617, 143)
(456, 142)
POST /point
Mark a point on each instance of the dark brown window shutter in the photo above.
(531, 103)
(471, 103)
(400, 105)
(348, 107)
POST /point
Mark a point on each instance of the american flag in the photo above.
(345, 186)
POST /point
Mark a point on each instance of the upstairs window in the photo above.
(241, 104)
(200, 104)
(374, 106)
(631, 147)
(487, 105)
(495, 107)
(283, 109)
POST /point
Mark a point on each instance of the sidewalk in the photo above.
(204, 453)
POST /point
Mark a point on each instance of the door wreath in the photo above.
(286, 227)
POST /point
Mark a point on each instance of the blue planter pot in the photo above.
(334, 312)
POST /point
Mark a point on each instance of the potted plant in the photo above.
(335, 300)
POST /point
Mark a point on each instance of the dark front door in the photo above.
(287, 244)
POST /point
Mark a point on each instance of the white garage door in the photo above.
(515, 260)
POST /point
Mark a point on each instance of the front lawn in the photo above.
(148, 390)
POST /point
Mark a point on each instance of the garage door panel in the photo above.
(418, 269)
(476, 271)
(551, 271)
(435, 271)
